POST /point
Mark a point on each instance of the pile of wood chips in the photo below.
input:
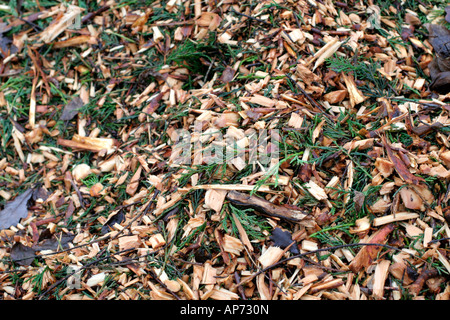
(95, 203)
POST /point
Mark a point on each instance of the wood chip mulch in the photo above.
(113, 113)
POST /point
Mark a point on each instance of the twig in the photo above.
(91, 15)
(311, 100)
(420, 281)
(147, 208)
(437, 240)
(33, 25)
(325, 268)
(265, 207)
(163, 285)
(240, 288)
(209, 69)
(80, 196)
(92, 263)
(250, 17)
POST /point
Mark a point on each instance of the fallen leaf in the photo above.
(440, 66)
(57, 242)
(71, 109)
(15, 210)
(283, 239)
(227, 75)
(119, 217)
(439, 38)
(22, 255)
(6, 46)
(359, 198)
(39, 193)
(440, 81)
(407, 33)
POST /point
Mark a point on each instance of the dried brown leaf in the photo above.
(71, 109)
(15, 210)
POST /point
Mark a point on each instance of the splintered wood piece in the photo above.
(320, 52)
(381, 274)
(295, 121)
(337, 96)
(427, 236)
(158, 293)
(242, 233)
(88, 143)
(316, 191)
(330, 50)
(32, 111)
(297, 35)
(271, 256)
(219, 293)
(361, 225)
(400, 166)
(359, 144)
(61, 24)
(443, 260)
(356, 96)
(129, 242)
(411, 199)
(232, 245)
(219, 238)
(399, 216)
(157, 241)
(214, 199)
(134, 182)
(81, 171)
(385, 167)
(96, 279)
(306, 75)
(263, 289)
(209, 274)
(190, 294)
(176, 197)
(157, 35)
(308, 245)
(240, 187)
(209, 20)
(326, 285)
(72, 42)
(366, 255)
(95, 190)
(263, 101)
(265, 207)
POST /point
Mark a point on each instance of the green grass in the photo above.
(325, 236)
(253, 224)
(366, 70)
